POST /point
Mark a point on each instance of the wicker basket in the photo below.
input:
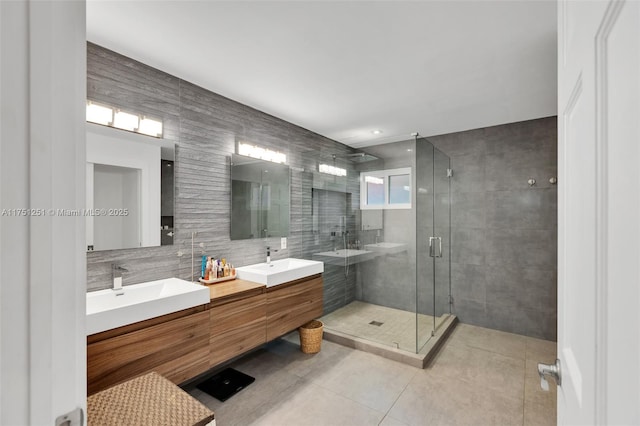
(311, 337)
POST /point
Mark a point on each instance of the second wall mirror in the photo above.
(260, 198)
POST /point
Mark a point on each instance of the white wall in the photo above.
(42, 166)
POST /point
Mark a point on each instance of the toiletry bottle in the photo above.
(220, 270)
(233, 270)
(227, 270)
(204, 267)
(207, 271)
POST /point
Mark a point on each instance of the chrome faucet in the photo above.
(116, 273)
(269, 255)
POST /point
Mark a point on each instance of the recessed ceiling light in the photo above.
(376, 132)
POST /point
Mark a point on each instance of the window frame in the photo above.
(385, 175)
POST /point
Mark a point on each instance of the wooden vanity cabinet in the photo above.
(175, 346)
(293, 304)
(241, 315)
(237, 324)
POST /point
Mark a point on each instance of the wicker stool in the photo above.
(147, 400)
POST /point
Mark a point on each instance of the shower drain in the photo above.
(376, 323)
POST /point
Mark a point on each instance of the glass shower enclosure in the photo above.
(380, 222)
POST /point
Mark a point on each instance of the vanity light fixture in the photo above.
(332, 170)
(261, 153)
(374, 180)
(114, 117)
(151, 127)
(99, 114)
(125, 121)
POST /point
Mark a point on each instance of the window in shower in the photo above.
(374, 190)
(385, 189)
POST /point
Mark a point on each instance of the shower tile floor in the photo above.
(397, 326)
(478, 377)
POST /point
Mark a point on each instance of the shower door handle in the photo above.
(435, 246)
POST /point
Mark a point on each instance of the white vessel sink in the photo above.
(106, 310)
(342, 256)
(280, 271)
(387, 248)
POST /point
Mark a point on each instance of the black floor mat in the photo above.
(225, 384)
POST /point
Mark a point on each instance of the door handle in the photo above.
(549, 370)
(435, 247)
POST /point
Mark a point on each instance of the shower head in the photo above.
(361, 157)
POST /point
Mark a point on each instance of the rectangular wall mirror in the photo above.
(129, 190)
(259, 198)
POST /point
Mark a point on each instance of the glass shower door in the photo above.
(424, 280)
(441, 231)
(433, 242)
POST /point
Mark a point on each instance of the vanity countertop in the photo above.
(237, 288)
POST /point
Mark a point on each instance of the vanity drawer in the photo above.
(293, 304)
(176, 349)
(236, 327)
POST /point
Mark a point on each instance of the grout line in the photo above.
(397, 398)
(348, 398)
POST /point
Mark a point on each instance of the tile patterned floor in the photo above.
(479, 377)
(397, 326)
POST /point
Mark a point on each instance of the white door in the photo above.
(599, 212)
(42, 253)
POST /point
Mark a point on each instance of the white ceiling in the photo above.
(343, 69)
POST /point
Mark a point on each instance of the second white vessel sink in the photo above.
(387, 248)
(280, 271)
(343, 257)
(139, 302)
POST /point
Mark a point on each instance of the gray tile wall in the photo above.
(205, 127)
(504, 233)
